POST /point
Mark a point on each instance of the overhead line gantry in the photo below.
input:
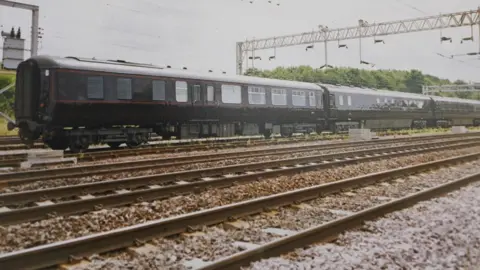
(363, 30)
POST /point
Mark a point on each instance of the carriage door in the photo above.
(196, 95)
(197, 107)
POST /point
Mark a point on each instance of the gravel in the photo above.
(443, 233)
(26, 235)
(213, 150)
(194, 166)
(217, 243)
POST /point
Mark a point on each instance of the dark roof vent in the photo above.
(169, 66)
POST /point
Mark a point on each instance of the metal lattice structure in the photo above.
(442, 21)
(431, 89)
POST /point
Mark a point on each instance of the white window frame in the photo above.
(210, 93)
(299, 93)
(91, 95)
(312, 99)
(277, 92)
(129, 90)
(181, 87)
(235, 91)
(257, 90)
(194, 88)
(158, 95)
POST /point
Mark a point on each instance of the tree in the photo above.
(7, 98)
(415, 81)
(396, 80)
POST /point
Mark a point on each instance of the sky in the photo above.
(201, 34)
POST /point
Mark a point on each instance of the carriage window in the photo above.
(299, 98)
(231, 94)
(62, 87)
(181, 91)
(142, 89)
(279, 97)
(312, 100)
(256, 95)
(71, 86)
(349, 100)
(340, 100)
(158, 90)
(124, 88)
(196, 93)
(378, 100)
(210, 93)
(95, 87)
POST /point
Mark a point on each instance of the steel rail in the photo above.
(63, 251)
(15, 159)
(92, 203)
(156, 163)
(102, 153)
(330, 230)
(98, 169)
(189, 175)
(19, 146)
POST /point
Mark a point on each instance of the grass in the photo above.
(3, 129)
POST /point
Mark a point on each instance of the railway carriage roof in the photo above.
(150, 70)
(456, 100)
(374, 92)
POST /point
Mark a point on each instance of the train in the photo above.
(73, 102)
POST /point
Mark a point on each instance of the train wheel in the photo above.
(26, 136)
(114, 145)
(77, 146)
(133, 144)
(58, 144)
(267, 134)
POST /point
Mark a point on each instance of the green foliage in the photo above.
(396, 80)
(7, 99)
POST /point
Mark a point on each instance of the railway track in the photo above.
(14, 160)
(39, 204)
(329, 231)
(76, 249)
(18, 178)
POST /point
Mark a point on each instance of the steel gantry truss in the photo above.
(442, 21)
(431, 89)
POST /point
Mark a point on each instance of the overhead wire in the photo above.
(441, 55)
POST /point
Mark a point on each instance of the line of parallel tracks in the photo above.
(14, 160)
(39, 204)
(64, 251)
(17, 178)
